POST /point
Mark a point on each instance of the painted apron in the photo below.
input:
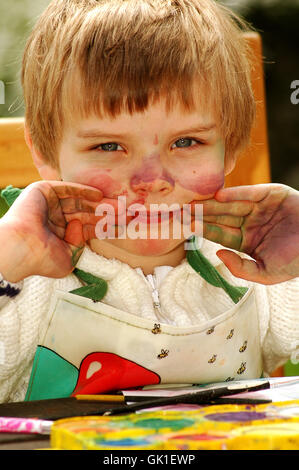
(89, 347)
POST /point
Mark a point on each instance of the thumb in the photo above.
(243, 268)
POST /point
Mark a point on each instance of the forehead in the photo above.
(81, 106)
(154, 121)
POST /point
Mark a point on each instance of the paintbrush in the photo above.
(204, 396)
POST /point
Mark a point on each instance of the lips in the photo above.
(153, 217)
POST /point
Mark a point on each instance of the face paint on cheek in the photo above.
(100, 179)
(202, 183)
(207, 177)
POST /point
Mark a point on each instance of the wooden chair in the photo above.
(253, 167)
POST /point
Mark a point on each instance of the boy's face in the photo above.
(150, 158)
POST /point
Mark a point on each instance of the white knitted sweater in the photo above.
(185, 298)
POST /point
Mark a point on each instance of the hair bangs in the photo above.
(111, 56)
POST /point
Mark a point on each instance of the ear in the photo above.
(46, 171)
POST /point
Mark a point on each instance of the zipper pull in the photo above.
(155, 293)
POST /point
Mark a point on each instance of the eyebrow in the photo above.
(95, 133)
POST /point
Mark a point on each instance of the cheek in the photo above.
(205, 176)
(202, 183)
(100, 179)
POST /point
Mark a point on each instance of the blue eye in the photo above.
(109, 147)
(186, 142)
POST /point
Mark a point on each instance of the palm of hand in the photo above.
(261, 221)
(49, 218)
(270, 235)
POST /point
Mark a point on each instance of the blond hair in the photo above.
(122, 54)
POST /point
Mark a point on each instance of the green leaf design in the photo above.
(208, 272)
(95, 288)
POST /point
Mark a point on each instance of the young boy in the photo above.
(147, 101)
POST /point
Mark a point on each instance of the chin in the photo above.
(151, 248)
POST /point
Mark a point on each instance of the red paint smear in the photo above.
(204, 184)
(100, 180)
(150, 175)
(116, 373)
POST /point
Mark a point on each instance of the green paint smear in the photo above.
(126, 442)
(160, 423)
(235, 239)
(210, 274)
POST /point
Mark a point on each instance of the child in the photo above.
(149, 101)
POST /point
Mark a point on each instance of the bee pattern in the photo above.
(230, 335)
(163, 353)
(229, 379)
(156, 329)
(242, 348)
(211, 330)
(213, 359)
(242, 368)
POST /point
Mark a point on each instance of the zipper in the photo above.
(151, 280)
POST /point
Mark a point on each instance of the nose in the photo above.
(151, 177)
(156, 185)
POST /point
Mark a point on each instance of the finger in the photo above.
(89, 232)
(230, 237)
(229, 221)
(111, 206)
(91, 212)
(213, 207)
(52, 209)
(66, 189)
(74, 233)
(84, 217)
(253, 193)
(71, 205)
(244, 268)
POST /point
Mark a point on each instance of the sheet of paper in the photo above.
(282, 389)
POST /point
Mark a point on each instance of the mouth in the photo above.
(151, 217)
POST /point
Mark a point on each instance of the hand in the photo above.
(260, 220)
(46, 229)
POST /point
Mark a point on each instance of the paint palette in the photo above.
(277, 436)
(134, 431)
(209, 428)
(228, 417)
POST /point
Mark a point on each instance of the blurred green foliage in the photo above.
(276, 20)
(3, 207)
(17, 19)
